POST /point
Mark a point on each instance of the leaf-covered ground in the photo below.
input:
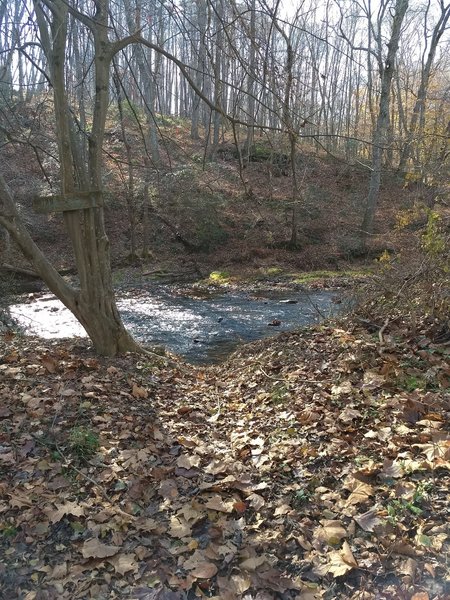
(313, 465)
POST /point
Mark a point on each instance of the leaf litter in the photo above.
(301, 468)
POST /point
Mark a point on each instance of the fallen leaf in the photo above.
(347, 555)
(59, 571)
(61, 510)
(139, 392)
(241, 583)
(336, 565)
(251, 564)
(240, 507)
(392, 469)
(360, 492)
(94, 548)
(179, 528)
(216, 503)
(331, 532)
(204, 570)
(368, 520)
(256, 501)
(187, 462)
(124, 563)
(168, 489)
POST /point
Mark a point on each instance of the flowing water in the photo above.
(202, 327)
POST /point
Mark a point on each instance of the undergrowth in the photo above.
(411, 290)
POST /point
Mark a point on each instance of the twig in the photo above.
(382, 330)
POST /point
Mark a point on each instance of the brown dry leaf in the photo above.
(168, 489)
(372, 380)
(217, 466)
(251, 564)
(95, 549)
(179, 528)
(68, 393)
(49, 363)
(337, 565)
(360, 492)
(420, 596)
(59, 571)
(187, 442)
(216, 503)
(392, 469)
(139, 392)
(187, 462)
(331, 532)
(240, 506)
(283, 509)
(345, 387)
(405, 549)
(368, 520)
(8, 459)
(124, 563)
(204, 570)
(349, 414)
(20, 501)
(439, 449)
(409, 567)
(61, 510)
(347, 555)
(256, 501)
(5, 412)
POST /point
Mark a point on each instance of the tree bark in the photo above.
(94, 303)
(379, 136)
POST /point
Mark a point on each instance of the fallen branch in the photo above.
(19, 270)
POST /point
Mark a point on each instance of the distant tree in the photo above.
(386, 65)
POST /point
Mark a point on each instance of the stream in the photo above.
(203, 326)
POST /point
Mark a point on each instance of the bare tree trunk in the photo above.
(94, 303)
(130, 185)
(379, 136)
(422, 93)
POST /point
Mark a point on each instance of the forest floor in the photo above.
(313, 465)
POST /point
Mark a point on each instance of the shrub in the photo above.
(412, 288)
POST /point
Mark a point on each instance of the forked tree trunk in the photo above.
(93, 304)
(101, 319)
